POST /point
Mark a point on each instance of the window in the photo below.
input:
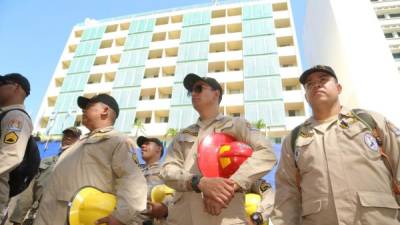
(388, 35)
(381, 16)
(111, 28)
(396, 55)
(394, 15)
(147, 120)
(164, 119)
(236, 114)
(292, 113)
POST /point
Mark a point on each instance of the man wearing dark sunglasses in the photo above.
(16, 128)
(203, 200)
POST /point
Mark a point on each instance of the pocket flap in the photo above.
(186, 138)
(311, 207)
(354, 129)
(302, 141)
(378, 199)
(224, 126)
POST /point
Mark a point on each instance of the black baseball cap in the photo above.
(103, 98)
(318, 68)
(73, 130)
(192, 78)
(19, 79)
(142, 139)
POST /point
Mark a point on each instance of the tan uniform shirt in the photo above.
(29, 199)
(343, 178)
(152, 174)
(181, 164)
(16, 128)
(101, 159)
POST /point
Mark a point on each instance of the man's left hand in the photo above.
(157, 210)
(110, 220)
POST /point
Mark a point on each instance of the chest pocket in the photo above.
(302, 153)
(186, 142)
(361, 140)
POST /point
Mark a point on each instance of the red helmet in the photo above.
(220, 155)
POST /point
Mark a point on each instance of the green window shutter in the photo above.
(133, 58)
(179, 95)
(183, 68)
(144, 25)
(137, 41)
(272, 112)
(264, 88)
(259, 45)
(196, 18)
(87, 48)
(81, 64)
(182, 117)
(258, 27)
(125, 120)
(194, 34)
(93, 33)
(263, 65)
(61, 122)
(75, 82)
(193, 51)
(67, 102)
(126, 97)
(257, 11)
(129, 77)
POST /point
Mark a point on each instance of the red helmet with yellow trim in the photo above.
(220, 155)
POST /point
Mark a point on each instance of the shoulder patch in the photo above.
(10, 138)
(264, 186)
(14, 125)
(393, 128)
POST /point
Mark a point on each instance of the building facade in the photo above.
(248, 46)
(388, 14)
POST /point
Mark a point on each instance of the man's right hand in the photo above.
(219, 189)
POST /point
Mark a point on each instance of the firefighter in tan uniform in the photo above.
(100, 159)
(202, 200)
(28, 201)
(335, 174)
(152, 151)
(16, 128)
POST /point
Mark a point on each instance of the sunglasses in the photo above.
(198, 89)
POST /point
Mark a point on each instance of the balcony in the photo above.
(157, 82)
(155, 129)
(287, 51)
(164, 44)
(293, 96)
(223, 20)
(232, 99)
(160, 62)
(229, 55)
(281, 14)
(230, 76)
(289, 72)
(225, 37)
(283, 32)
(104, 68)
(151, 105)
(97, 87)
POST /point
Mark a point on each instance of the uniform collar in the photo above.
(156, 164)
(16, 106)
(202, 124)
(99, 131)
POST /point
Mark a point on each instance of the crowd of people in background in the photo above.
(340, 166)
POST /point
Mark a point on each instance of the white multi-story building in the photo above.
(248, 46)
(348, 36)
(388, 13)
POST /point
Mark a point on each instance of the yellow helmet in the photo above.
(251, 203)
(159, 192)
(89, 205)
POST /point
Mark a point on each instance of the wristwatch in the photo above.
(195, 183)
(257, 218)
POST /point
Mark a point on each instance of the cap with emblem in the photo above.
(318, 68)
(19, 79)
(103, 98)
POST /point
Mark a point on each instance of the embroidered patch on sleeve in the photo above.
(264, 186)
(10, 138)
(14, 125)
